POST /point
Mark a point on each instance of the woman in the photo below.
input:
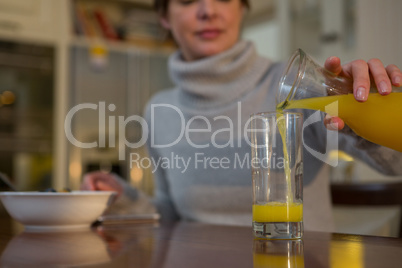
(220, 80)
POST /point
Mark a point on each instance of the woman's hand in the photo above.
(101, 181)
(363, 74)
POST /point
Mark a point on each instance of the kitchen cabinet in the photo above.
(26, 113)
(117, 89)
(125, 78)
(34, 20)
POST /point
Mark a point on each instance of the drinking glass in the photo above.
(277, 175)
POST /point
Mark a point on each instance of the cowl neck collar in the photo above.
(219, 79)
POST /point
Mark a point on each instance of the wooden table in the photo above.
(191, 245)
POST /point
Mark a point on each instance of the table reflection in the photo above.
(278, 253)
(134, 244)
(347, 254)
(43, 249)
(192, 245)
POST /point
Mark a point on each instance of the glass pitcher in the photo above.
(307, 85)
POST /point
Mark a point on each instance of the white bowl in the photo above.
(44, 211)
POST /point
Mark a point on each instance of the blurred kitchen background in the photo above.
(56, 54)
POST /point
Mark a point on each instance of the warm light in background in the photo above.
(136, 174)
(75, 170)
(98, 56)
(7, 98)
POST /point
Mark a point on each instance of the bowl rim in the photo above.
(72, 193)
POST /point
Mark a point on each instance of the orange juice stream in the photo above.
(281, 123)
(378, 120)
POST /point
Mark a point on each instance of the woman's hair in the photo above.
(161, 6)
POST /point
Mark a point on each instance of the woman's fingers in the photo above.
(380, 76)
(364, 73)
(395, 74)
(88, 183)
(333, 123)
(333, 64)
(361, 79)
(109, 185)
(100, 181)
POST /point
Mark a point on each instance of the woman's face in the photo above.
(204, 28)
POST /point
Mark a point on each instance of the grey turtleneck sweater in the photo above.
(204, 175)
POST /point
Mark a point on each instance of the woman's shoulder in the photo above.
(166, 97)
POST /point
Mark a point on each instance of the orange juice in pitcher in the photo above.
(306, 85)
